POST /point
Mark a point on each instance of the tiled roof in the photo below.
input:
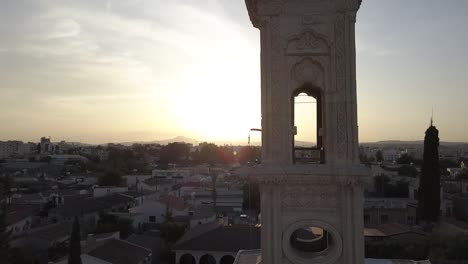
(118, 251)
(373, 232)
(52, 233)
(241, 237)
(248, 257)
(149, 242)
(17, 213)
(393, 229)
(75, 206)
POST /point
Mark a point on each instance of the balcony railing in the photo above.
(309, 155)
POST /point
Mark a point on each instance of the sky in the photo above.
(101, 71)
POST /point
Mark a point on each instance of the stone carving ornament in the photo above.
(309, 197)
(307, 43)
(308, 71)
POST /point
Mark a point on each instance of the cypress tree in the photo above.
(429, 183)
(74, 256)
(5, 253)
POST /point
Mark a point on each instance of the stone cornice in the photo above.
(317, 175)
(252, 10)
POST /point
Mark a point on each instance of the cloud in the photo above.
(64, 28)
(75, 58)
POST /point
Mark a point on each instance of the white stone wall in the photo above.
(198, 254)
(309, 45)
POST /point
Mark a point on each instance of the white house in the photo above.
(171, 174)
(152, 212)
(132, 180)
(391, 155)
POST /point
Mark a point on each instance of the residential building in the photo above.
(106, 190)
(9, 148)
(153, 212)
(19, 218)
(46, 146)
(116, 251)
(89, 209)
(134, 180)
(111, 250)
(378, 211)
(227, 201)
(178, 174)
(216, 243)
(391, 155)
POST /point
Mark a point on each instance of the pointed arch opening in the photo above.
(307, 125)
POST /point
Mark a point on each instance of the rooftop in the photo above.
(118, 251)
(75, 206)
(208, 237)
(17, 213)
(52, 233)
(203, 212)
(136, 194)
(146, 241)
(255, 257)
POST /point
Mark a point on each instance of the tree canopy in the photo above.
(5, 252)
(379, 156)
(74, 256)
(174, 153)
(405, 159)
(111, 178)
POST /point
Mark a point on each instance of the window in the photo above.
(383, 219)
(152, 219)
(366, 219)
(311, 239)
(307, 125)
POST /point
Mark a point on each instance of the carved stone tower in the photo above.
(311, 197)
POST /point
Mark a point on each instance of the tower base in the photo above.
(312, 213)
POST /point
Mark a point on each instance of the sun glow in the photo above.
(218, 105)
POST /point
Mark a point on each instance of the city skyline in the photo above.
(119, 71)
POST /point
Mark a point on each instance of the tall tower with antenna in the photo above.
(311, 197)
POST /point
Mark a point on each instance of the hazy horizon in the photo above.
(231, 142)
(143, 70)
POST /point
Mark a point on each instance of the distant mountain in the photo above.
(164, 141)
(177, 139)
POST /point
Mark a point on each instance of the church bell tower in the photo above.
(311, 197)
